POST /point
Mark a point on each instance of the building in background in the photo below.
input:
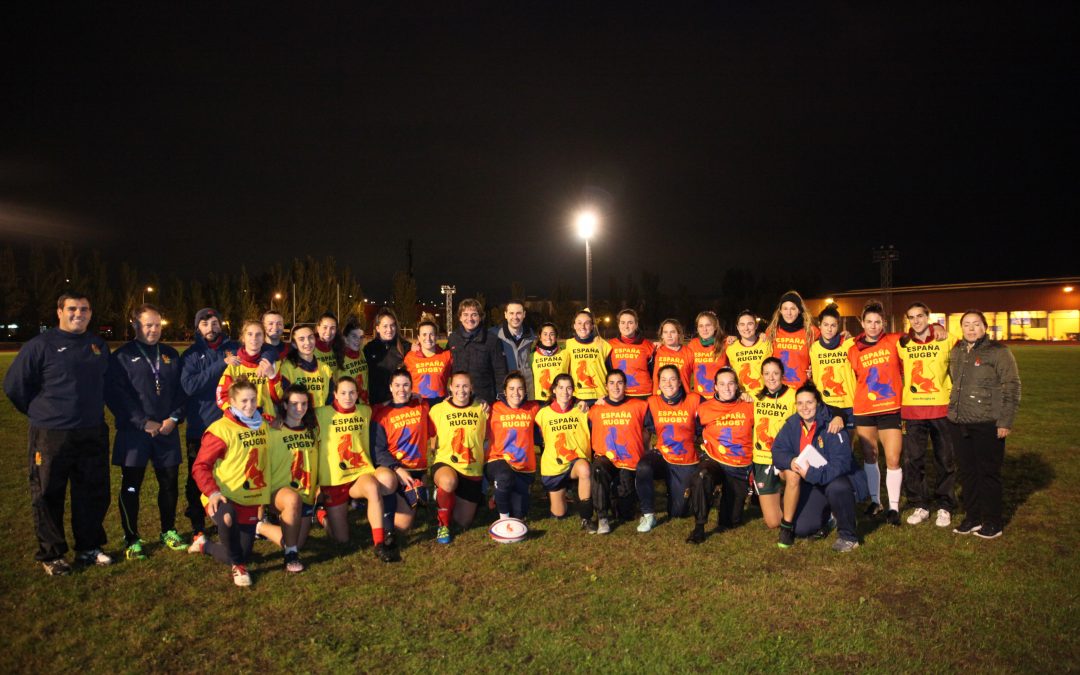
(1029, 309)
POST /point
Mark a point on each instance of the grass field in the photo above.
(910, 599)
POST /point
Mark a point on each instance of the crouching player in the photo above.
(460, 435)
(346, 471)
(618, 444)
(511, 460)
(231, 471)
(401, 432)
(727, 426)
(294, 450)
(564, 429)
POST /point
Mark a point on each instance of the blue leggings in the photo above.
(511, 488)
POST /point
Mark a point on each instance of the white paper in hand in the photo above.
(810, 457)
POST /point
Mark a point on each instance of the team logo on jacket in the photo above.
(96, 350)
(165, 359)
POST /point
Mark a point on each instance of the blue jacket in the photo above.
(58, 380)
(836, 448)
(519, 355)
(130, 392)
(201, 368)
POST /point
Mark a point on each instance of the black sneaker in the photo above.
(697, 536)
(386, 554)
(56, 567)
(874, 509)
(967, 527)
(987, 531)
(892, 517)
(826, 529)
(588, 525)
(787, 537)
(292, 562)
(390, 541)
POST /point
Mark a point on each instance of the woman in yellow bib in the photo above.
(564, 428)
(249, 364)
(547, 361)
(231, 471)
(588, 358)
(459, 445)
(301, 367)
(294, 454)
(346, 471)
(747, 351)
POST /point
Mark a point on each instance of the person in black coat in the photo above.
(58, 380)
(384, 354)
(477, 351)
(143, 392)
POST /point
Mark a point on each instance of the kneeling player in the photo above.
(511, 460)
(460, 431)
(618, 444)
(401, 428)
(564, 428)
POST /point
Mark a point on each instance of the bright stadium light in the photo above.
(586, 221)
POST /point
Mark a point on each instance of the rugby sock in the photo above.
(894, 478)
(291, 549)
(873, 479)
(585, 509)
(444, 499)
(377, 535)
(389, 507)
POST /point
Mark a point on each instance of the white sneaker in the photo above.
(240, 576)
(94, 556)
(197, 544)
(603, 527)
(647, 522)
(918, 516)
(944, 518)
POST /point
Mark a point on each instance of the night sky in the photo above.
(764, 138)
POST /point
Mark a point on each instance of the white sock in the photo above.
(894, 478)
(290, 549)
(504, 516)
(873, 478)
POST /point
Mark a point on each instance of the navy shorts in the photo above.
(883, 421)
(469, 488)
(560, 482)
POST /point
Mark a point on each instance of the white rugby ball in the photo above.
(508, 530)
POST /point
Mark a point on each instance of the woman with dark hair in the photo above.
(349, 357)
(773, 404)
(828, 483)
(588, 358)
(511, 459)
(430, 364)
(294, 458)
(672, 352)
(548, 361)
(708, 349)
(326, 328)
(982, 408)
(459, 446)
(400, 443)
(618, 444)
(791, 332)
(673, 423)
(633, 355)
(385, 354)
(727, 427)
(747, 351)
(301, 367)
(564, 430)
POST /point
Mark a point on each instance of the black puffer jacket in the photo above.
(481, 356)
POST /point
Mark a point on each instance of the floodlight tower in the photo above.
(885, 256)
(449, 291)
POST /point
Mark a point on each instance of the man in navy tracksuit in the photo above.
(144, 394)
(201, 367)
(58, 380)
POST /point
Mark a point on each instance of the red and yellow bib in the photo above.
(459, 436)
(588, 367)
(727, 430)
(707, 361)
(242, 474)
(430, 374)
(318, 382)
(793, 350)
(566, 438)
(344, 444)
(770, 412)
(675, 428)
(618, 431)
(294, 461)
(746, 361)
(406, 430)
(355, 366)
(832, 373)
(633, 359)
(544, 370)
(510, 431)
(683, 359)
(878, 375)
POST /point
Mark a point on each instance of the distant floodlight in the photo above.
(586, 222)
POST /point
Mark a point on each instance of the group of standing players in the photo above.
(285, 434)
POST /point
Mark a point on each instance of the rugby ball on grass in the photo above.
(508, 530)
